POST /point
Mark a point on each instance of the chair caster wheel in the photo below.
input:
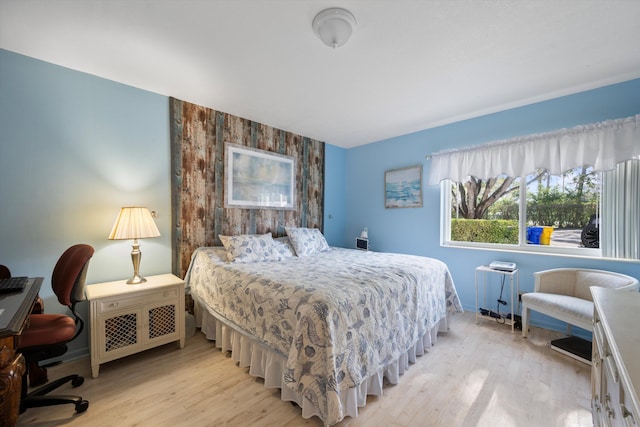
(77, 382)
(82, 406)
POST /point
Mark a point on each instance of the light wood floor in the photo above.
(476, 375)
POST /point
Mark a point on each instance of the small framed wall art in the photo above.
(403, 187)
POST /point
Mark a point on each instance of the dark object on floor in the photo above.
(518, 320)
(577, 348)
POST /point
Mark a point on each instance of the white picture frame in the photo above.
(258, 179)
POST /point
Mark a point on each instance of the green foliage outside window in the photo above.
(484, 231)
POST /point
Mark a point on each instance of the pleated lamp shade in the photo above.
(134, 223)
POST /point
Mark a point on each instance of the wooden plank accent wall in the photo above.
(198, 135)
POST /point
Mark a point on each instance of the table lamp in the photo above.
(134, 223)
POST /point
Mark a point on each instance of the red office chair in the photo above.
(48, 334)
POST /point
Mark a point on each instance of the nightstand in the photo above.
(127, 319)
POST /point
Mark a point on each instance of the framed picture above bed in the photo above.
(403, 188)
(258, 179)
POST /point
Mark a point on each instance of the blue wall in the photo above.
(335, 198)
(74, 148)
(416, 231)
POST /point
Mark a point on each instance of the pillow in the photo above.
(284, 248)
(307, 241)
(250, 248)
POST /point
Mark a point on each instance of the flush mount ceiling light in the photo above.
(334, 26)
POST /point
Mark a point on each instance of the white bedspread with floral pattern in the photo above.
(338, 316)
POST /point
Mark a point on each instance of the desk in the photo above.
(14, 316)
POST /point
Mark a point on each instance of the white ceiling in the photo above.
(410, 65)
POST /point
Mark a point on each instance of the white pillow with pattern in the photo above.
(307, 241)
(283, 247)
(250, 248)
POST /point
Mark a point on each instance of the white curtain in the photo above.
(601, 145)
(620, 224)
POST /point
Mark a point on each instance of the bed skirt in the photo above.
(269, 365)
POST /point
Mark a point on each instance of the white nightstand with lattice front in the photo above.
(127, 319)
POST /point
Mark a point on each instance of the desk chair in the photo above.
(48, 334)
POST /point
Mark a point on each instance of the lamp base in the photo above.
(135, 259)
(136, 280)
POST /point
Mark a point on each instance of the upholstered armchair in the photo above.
(563, 293)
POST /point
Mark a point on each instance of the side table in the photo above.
(127, 319)
(483, 271)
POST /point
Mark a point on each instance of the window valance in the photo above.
(601, 145)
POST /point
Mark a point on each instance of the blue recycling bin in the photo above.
(533, 235)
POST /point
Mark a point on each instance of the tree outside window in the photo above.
(550, 210)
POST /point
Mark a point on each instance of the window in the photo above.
(553, 205)
(547, 212)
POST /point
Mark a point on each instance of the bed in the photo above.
(323, 324)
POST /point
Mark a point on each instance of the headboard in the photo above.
(198, 136)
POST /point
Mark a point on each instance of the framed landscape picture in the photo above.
(403, 188)
(258, 179)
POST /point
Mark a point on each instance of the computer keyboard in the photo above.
(13, 284)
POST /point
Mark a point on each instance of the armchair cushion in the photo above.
(563, 307)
